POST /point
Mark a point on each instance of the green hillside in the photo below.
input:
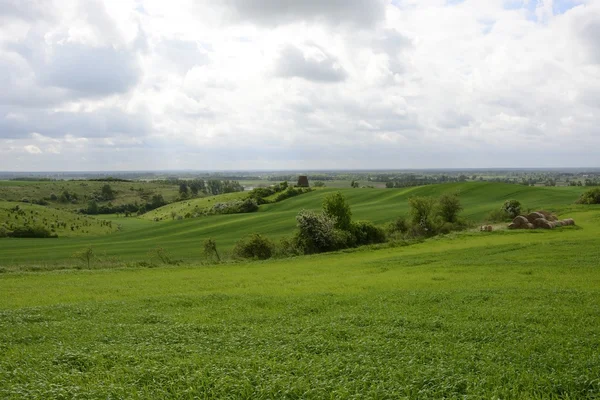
(191, 207)
(62, 223)
(79, 192)
(183, 239)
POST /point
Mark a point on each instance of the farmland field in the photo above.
(507, 314)
(183, 239)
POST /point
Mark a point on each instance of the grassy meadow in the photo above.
(63, 223)
(125, 192)
(470, 315)
(183, 239)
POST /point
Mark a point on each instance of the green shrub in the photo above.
(498, 216)
(31, 232)
(366, 232)
(316, 232)
(235, 207)
(591, 196)
(399, 225)
(512, 208)
(291, 192)
(254, 246)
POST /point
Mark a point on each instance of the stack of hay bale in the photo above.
(539, 220)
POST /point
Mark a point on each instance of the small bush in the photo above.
(287, 248)
(31, 232)
(254, 246)
(498, 216)
(316, 232)
(367, 233)
(591, 196)
(399, 225)
(512, 208)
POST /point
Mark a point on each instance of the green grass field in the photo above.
(125, 192)
(191, 206)
(508, 315)
(183, 239)
(62, 223)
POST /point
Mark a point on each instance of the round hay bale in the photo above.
(557, 223)
(520, 221)
(533, 216)
(529, 226)
(512, 226)
(543, 223)
(489, 228)
(568, 222)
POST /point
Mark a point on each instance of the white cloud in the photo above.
(31, 149)
(288, 84)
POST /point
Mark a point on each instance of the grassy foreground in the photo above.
(502, 315)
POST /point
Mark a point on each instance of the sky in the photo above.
(289, 84)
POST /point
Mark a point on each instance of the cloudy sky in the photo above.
(298, 84)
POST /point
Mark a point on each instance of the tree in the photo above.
(449, 207)
(183, 190)
(512, 208)
(336, 206)
(210, 249)
(86, 255)
(107, 192)
(157, 201)
(421, 209)
(92, 208)
(354, 184)
(318, 184)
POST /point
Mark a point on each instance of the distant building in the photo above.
(302, 181)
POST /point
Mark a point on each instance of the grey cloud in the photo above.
(16, 124)
(183, 54)
(26, 10)
(589, 32)
(91, 71)
(454, 120)
(362, 13)
(293, 63)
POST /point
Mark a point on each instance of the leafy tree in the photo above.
(449, 207)
(512, 208)
(421, 209)
(354, 184)
(210, 249)
(92, 207)
(336, 206)
(157, 201)
(319, 184)
(183, 190)
(86, 255)
(107, 192)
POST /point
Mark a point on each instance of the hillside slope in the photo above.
(62, 223)
(183, 239)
